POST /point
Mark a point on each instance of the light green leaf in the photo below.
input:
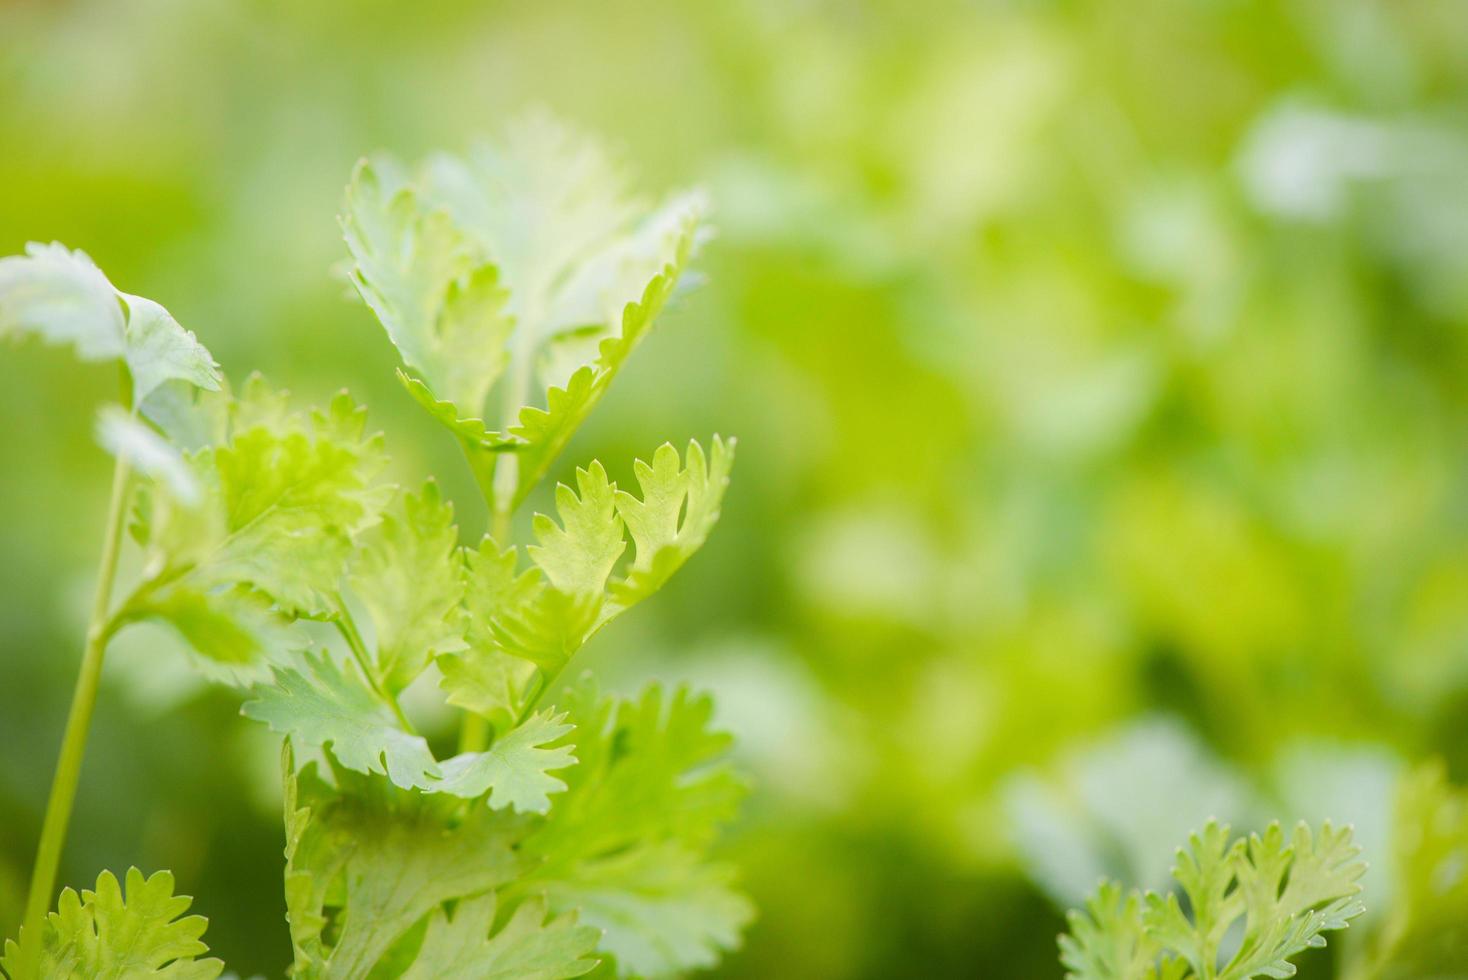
(107, 934)
(407, 574)
(367, 862)
(441, 304)
(1286, 895)
(159, 350)
(63, 298)
(577, 555)
(284, 494)
(527, 947)
(235, 632)
(128, 437)
(1108, 941)
(324, 705)
(661, 910)
(624, 843)
(679, 508)
(515, 770)
(584, 268)
(538, 435)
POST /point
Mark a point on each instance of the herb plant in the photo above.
(571, 829)
(1252, 905)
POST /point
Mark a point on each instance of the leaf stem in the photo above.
(347, 627)
(74, 741)
(474, 731)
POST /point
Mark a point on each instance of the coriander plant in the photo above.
(571, 830)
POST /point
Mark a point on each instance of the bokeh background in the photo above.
(1099, 374)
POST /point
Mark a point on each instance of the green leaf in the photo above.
(283, 495)
(406, 573)
(107, 934)
(662, 910)
(367, 862)
(515, 770)
(324, 705)
(625, 843)
(538, 435)
(577, 555)
(159, 350)
(527, 947)
(1287, 894)
(62, 297)
(1108, 941)
(441, 304)
(127, 437)
(584, 267)
(235, 632)
(679, 508)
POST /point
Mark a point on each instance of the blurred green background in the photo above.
(1099, 374)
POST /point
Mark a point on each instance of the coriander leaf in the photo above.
(515, 770)
(527, 947)
(324, 705)
(678, 509)
(624, 843)
(159, 350)
(483, 677)
(127, 437)
(583, 268)
(1284, 896)
(406, 573)
(577, 555)
(441, 304)
(662, 910)
(234, 631)
(1108, 942)
(62, 297)
(366, 862)
(108, 935)
(538, 435)
(283, 495)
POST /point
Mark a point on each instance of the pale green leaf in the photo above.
(515, 770)
(662, 910)
(326, 704)
(406, 573)
(529, 946)
(441, 304)
(366, 862)
(678, 509)
(625, 843)
(159, 350)
(1282, 894)
(63, 298)
(578, 554)
(128, 437)
(112, 934)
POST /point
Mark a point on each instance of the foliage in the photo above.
(1284, 893)
(556, 838)
(114, 933)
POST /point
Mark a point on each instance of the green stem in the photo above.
(474, 731)
(347, 627)
(74, 742)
